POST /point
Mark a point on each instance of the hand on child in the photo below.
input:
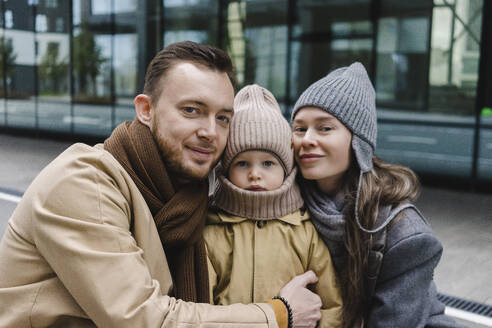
(306, 305)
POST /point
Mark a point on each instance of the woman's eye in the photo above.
(299, 129)
(325, 128)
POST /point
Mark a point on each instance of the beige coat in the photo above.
(82, 250)
(250, 261)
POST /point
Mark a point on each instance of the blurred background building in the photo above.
(72, 67)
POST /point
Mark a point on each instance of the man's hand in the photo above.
(306, 305)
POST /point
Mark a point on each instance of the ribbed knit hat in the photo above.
(347, 93)
(258, 124)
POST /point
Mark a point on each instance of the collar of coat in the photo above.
(295, 218)
(260, 205)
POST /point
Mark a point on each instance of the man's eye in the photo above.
(190, 110)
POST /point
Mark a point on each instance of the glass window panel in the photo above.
(485, 146)
(185, 35)
(426, 148)
(125, 70)
(52, 60)
(101, 7)
(125, 6)
(41, 23)
(441, 100)
(236, 43)
(125, 61)
(76, 12)
(179, 3)
(91, 119)
(334, 17)
(475, 25)
(265, 65)
(3, 44)
(257, 42)
(52, 3)
(21, 70)
(328, 35)
(60, 24)
(401, 53)
(92, 58)
(455, 53)
(2, 111)
(125, 64)
(9, 19)
(190, 20)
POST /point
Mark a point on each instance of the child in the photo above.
(257, 236)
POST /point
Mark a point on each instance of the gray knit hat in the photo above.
(347, 93)
(258, 124)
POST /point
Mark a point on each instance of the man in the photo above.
(111, 235)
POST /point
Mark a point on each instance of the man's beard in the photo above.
(173, 158)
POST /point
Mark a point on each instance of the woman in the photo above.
(382, 248)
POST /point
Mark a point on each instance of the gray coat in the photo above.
(405, 294)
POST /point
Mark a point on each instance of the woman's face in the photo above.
(322, 147)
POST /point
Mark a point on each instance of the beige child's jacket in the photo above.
(251, 260)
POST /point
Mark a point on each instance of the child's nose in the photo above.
(254, 174)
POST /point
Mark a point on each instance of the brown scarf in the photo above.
(178, 214)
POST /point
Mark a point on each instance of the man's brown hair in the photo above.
(209, 56)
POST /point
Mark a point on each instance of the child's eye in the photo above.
(299, 129)
(224, 119)
(241, 163)
(268, 163)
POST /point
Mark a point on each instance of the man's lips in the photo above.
(201, 152)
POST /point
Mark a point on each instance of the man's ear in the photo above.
(143, 108)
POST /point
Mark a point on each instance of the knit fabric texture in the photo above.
(258, 124)
(179, 213)
(347, 93)
(259, 205)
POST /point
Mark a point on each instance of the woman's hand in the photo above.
(305, 305)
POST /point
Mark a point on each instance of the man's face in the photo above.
(190, 120)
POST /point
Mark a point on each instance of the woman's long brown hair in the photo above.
(386, 184)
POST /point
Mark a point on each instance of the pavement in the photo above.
(461, 219)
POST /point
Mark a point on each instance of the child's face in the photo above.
(256, 171)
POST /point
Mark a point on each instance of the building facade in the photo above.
(74, 66)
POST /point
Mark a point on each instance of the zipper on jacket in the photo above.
(259, 224)
(254, 264)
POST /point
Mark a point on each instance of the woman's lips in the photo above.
(306, 158)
